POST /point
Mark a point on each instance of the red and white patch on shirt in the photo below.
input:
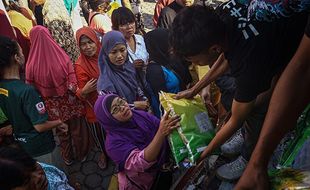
(41, 108)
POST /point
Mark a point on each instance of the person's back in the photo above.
(168, 14)
(258, 50)
(17, 100)
(160, 5)
(98, 18)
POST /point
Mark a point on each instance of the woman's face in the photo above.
(118, 54)
(87, 46)
(128, 29)
(120, 110)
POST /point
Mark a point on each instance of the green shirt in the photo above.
(24, 108)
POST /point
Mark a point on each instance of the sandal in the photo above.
(102, 161)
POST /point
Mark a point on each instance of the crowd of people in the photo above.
(67, 85)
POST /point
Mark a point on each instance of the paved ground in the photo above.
(88, 176)
(148, 11)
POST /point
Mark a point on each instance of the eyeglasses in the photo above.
(129, 24)
(116, 108)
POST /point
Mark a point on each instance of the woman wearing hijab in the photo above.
(98, 17)
(14, 33)
(117, 74)
(87, 73)
(21, 17)
(58, 22)
(50, 70)
(135, 140)
(163, 72)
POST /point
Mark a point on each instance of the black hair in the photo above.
(15, 166)
(95, 3)
(195, 29)
(122, 16)
(8, 48)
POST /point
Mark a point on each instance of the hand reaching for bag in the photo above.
(168, 124)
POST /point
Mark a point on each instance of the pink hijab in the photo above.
(48, 68)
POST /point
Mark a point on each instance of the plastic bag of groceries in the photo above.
(196, 130)
(290, 179)
(302, 134)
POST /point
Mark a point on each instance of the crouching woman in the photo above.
(135, 140)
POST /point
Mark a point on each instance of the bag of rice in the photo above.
(196, 130)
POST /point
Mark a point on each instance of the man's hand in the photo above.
(188, 94)
(206, 97)
(253, 178)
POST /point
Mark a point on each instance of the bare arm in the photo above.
(291, 95)
(167, 125)
(48, 125)
(219, 68)
(239, 113)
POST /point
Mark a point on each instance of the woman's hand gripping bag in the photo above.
(196, 130)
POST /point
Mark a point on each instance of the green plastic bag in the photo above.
(302, 135)
(178, 148)
(289, 179)
(196, 130)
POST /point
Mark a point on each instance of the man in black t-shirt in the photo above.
(255, 52)
(290, 97)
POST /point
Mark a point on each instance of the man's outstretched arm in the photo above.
(290, 97)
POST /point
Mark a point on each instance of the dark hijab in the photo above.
(156, 42)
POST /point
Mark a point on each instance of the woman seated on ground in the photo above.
(135, 141)
(163, 73)
(123, 20)
(50, 70)
(87, 73)
(20, 171)
(117, 74)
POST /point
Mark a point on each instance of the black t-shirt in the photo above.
(307, 31)
(257, 51)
